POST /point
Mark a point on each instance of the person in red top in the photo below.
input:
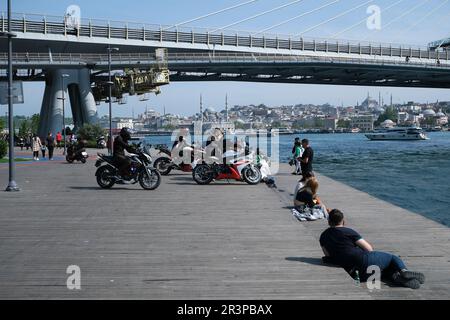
(58, 139)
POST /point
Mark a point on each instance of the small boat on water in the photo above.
(397, 133)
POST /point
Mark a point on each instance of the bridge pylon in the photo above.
(77, 88)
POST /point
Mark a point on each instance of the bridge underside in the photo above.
(273, 72)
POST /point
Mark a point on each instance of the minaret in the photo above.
(391, 100)
(226, 107)
(201, 109)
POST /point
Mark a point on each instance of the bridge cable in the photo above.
(296, 17)
(405, 14)
(422, 19)
(334, 36)
(334, 18)
(210, 14)
(258, 15)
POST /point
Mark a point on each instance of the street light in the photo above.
(64, 75)
(110, 84)
(12, 185)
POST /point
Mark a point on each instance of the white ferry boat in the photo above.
(397, 133)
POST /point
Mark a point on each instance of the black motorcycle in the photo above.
(76, 152)
(140, 171)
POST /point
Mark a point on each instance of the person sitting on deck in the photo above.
(308, 205)
(345, 247)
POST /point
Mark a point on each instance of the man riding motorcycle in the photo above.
(120, 145)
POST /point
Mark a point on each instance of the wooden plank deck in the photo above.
(185, 241)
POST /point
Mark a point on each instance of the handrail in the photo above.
(143, 59)
(38, 23)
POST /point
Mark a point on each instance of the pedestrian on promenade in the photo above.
(43, 148)
(36, 145)
(50, 141)
(306, 160)
(58, 139)
(345, 247)
(297, 154)
(28, 141)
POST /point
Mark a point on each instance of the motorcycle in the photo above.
(140, 171)
(101, 142)
(239, 169)
(76, 152)
(166, 163)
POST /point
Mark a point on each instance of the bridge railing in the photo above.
(146, 60)
(55, 25)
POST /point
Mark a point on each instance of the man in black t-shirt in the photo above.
(306, 159)
(346, 248)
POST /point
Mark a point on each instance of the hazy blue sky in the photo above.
(408, 22)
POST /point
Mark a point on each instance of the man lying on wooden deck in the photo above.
(345, 247)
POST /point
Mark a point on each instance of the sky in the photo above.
(414, 22)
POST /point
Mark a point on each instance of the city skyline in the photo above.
(398, 24)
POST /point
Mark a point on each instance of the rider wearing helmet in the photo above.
(120, 145)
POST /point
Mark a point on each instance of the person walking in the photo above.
(43, 148)
(306, 160)
(50, 141)
(58, 139)
(297, 157)
(36, 145)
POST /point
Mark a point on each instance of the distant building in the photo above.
(330, 123)
(122, 123)
(362, 122)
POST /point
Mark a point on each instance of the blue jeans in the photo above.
(387, 262)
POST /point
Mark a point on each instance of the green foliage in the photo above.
(90, 132)
(2, 124)
(24, 128)
(34, 122)
(389, 114)
(277, 124)
(3, 148)
(239, 125)
(343, 123)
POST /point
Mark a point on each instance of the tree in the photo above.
(34, 122)
(343, 123)
(24, 128)
(3, 148)
(2, 124)
(90, 132)
(389, 114)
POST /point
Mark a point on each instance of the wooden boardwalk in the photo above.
(185, 241)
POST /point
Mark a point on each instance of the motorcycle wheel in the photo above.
(202, 174)
(162, 165)
(68, 159)
(251, 175)
(150, 182)
(104, 177)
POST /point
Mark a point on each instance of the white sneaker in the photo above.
(37, 159)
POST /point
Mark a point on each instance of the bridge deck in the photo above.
(185, 241)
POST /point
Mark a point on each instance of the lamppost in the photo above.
(110, 84)
(12, 185)
(64, 75)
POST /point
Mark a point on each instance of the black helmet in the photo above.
(125, 134)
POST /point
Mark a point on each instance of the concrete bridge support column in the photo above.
(77, 89)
